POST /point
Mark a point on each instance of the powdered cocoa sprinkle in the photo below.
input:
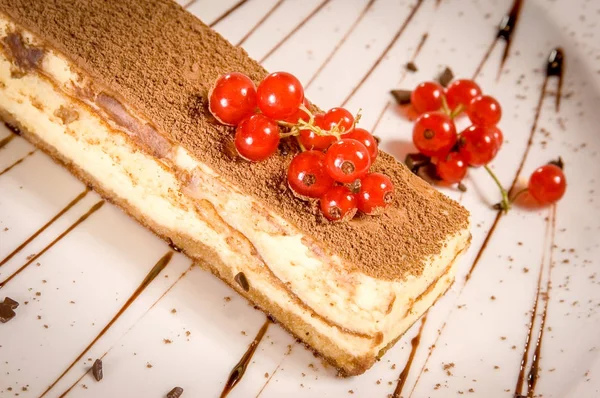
(160, 60)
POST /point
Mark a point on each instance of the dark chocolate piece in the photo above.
(13, 304)
(175, 392)
(446, 77)
(6, 313)
(97, 370)
(240, 278)
(402, 97)
(414, 161)
(410, 66)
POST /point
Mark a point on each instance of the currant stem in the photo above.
(516, 196)
(302, 148)
(445, 106)
(457, 111)
(505, 203)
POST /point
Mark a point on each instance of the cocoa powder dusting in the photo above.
(161, 61)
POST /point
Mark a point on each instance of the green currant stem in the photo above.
(445, 106)
(457, 111)
(302, 148)
(505, 204)
(309, 113)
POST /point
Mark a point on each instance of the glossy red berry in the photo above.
(299, 114)
(338, 204)
(461, 92)
(340, 116)
(498, 136)
(478, 145)
(427, 97)
(307, 176)
(232, 98)
(311, 140)
(376, 192)
(280, 95)
(452, 168)
(365, 138)
(484, 111)
(434, 134)
(547, 184)
(347, 160)
(256, 137)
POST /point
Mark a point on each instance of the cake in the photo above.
(116, 91)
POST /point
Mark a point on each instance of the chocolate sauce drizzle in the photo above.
(4, 141)
(18, 162)
(156, 269)
(414, 343)
(45, 226)
(240, 368)
(532, 376)
(81, 219)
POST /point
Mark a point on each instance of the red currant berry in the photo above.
(340, 116)
(498, 136)
(280, 95)
(307, 176)
(484, 111)
(434, 134)
(477, 145)
(232, 98)
(461, 92)
(299, 114)
(347, 160)
(311, 140)
(365, 138)
(256, 137)
(547, 184)
(427, 97)
(376, 192)
(338, 204)
(452, 168)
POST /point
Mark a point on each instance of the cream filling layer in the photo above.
(353, 301)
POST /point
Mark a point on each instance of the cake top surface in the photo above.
(161, 60)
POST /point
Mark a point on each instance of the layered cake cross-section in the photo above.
(117, 92)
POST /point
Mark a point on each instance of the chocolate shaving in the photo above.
(175, 392)
(461, 187)
(402, 97)
(11, 303)
(414, 161)
(97, 370)
(410, 66)
(240, 278)
(558, 162)
(446, 77)
(6, 309)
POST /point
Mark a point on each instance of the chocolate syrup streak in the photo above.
(404, 74)
(532, 376)
(506, 30)
(45, 226)
(297, 28)
(18, 162)
(414, 343)
(289, 351)
(341, 42)
(68, 390)
(81, 219)
(5, 141)
(228, 12)
(156, 269)
(240, 368)
(260, 22)
(386, 51)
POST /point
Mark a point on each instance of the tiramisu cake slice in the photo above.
(117, 92)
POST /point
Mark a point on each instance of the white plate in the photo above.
(188, 329)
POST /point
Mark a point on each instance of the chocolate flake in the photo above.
(414, 161)
(97, 370)
(11, 303)
(402, 97)
(175, 392)
(558, 162)
(7, 308)
(462, 187)
(240, 278)
(446, 77)
(410, 66)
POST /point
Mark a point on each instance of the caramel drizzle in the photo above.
(340, 43)
(156, 269)
(45, 226)
(6, 140)
(532, 376)
(296, 29)
(404, 74)
(414, 343)
(260, 22)
(239, 369)
(227, 12)
(385, 52)
(18, 162)
(81, 219)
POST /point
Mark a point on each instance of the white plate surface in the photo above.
(186, 328)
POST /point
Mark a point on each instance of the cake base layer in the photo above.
(350, 330)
